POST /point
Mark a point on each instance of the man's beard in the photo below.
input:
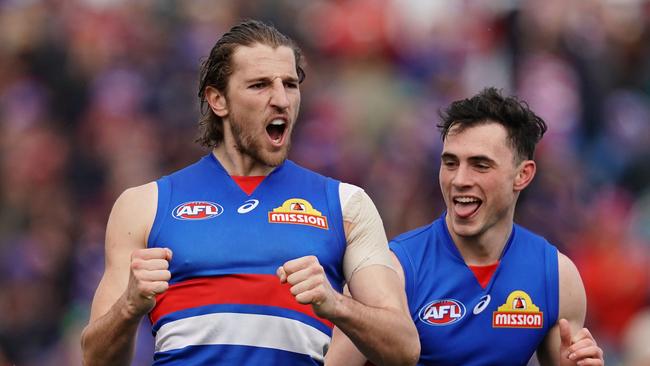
(247, 144)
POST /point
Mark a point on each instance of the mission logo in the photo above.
(197, 210)
(442, 312)
(300, 212)
(518, 312)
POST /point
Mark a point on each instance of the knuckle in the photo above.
(315, 269)
(136, 254)
(136, 263)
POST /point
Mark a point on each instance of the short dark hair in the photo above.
(525, 128)
(216, 69)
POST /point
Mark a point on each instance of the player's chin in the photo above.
(274, 159)
(465, 229)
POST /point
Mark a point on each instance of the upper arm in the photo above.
(573, 307)
(379, 286)
(364, 232)
(127, 230)
(370, 267)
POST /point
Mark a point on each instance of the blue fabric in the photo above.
(230, 355)
(235, 239)
(443, 293)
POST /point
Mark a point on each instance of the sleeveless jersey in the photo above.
(461, 323)
(225, 304)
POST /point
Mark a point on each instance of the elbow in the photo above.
(87, 357)
(411, 354)
(408, 344)
(414, 356)
(408, 355)
(84, 346)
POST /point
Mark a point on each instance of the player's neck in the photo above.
(485, 248)
(237, 163)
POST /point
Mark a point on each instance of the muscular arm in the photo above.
(375, 317)
(567, 336)
(344, 352)
(109, 336)
(375, 314)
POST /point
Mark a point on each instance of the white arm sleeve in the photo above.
(364, 232)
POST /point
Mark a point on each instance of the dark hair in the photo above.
(524, 127)
(216, 69)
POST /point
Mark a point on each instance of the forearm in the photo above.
(109, 339)
(384, 336)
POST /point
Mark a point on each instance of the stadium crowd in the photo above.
(100, 95)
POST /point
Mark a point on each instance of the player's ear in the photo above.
(525, 174)
(217, 101)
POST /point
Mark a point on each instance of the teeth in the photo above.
(466, 199)
(278, 122)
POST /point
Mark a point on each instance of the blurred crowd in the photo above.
(100, 95)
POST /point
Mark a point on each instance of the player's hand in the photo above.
(580, 348)
(149, 276)
(309, 284)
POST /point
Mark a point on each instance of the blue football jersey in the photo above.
(225, 304)
(461, 323)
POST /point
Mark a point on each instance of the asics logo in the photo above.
(482, 304)
(248, 206)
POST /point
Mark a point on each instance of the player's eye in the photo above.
(259, 85)
(449, 163)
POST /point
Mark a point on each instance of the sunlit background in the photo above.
(100, 95)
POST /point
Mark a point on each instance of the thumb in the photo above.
(565, 334)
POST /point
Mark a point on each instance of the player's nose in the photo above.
(279, 97)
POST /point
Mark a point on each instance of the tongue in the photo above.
(274, 132)
(465, 210)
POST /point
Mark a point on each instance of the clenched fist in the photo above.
(149, 276)
(309, 285)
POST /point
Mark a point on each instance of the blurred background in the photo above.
(100, 95)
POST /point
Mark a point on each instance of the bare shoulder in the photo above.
(573, 300)
(134, 210)
(141, 199)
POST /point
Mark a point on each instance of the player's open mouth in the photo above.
(276, 130)
(466, 206)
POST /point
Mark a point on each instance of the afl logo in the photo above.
(442, 312)
(197, 210)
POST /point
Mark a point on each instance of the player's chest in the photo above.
(458, 317)
(209, 230)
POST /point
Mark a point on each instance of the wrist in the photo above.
(128, 311)
(337, 309)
